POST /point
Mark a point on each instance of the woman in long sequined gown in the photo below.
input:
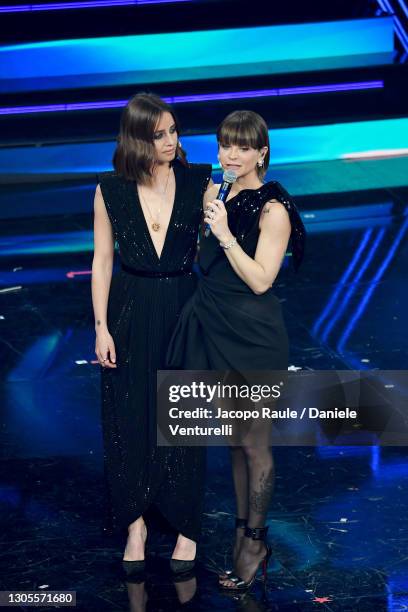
(234, 321)
(141, 308)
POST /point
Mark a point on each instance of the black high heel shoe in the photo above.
(179, 567)
(258, 533)
(240, 523)
(132, 569)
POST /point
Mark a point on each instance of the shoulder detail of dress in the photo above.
(245, 208)
(207, 168)
(200, 173)
(298, 233)
(109, 179)
(115, 193)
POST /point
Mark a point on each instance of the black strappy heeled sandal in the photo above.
(258, 533)
(240, 523)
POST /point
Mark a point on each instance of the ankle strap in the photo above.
(241, 523)
(256, 533)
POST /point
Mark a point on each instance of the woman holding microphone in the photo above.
(234, 321)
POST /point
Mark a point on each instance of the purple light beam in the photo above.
(62, 6)
(234, 95)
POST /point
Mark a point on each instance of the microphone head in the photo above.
(229, 176)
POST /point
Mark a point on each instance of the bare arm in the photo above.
(259, 272)
(102, 265)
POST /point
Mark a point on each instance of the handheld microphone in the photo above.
(228, 178)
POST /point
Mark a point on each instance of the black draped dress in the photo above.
(145, 299)
(225, 326)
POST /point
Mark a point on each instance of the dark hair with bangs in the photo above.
(245, 129)
(135, 156)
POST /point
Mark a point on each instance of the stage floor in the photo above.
(338, 520)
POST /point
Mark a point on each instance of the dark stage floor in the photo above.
(338, 521)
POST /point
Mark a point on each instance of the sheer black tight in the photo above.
(253, 471)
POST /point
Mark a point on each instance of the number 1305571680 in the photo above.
(37, 598)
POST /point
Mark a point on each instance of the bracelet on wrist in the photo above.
(228, 245)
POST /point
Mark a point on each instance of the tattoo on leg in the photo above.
(259, 499)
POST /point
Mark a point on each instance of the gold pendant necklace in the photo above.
(156, 225)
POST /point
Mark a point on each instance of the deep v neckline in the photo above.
(170, 225)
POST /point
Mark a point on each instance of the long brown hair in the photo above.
(245, 128)
(134, 156)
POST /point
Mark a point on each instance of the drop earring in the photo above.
(261, 163)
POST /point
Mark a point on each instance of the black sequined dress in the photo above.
(225, 326)
(145, 299)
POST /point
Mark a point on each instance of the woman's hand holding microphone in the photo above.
(215, 215)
